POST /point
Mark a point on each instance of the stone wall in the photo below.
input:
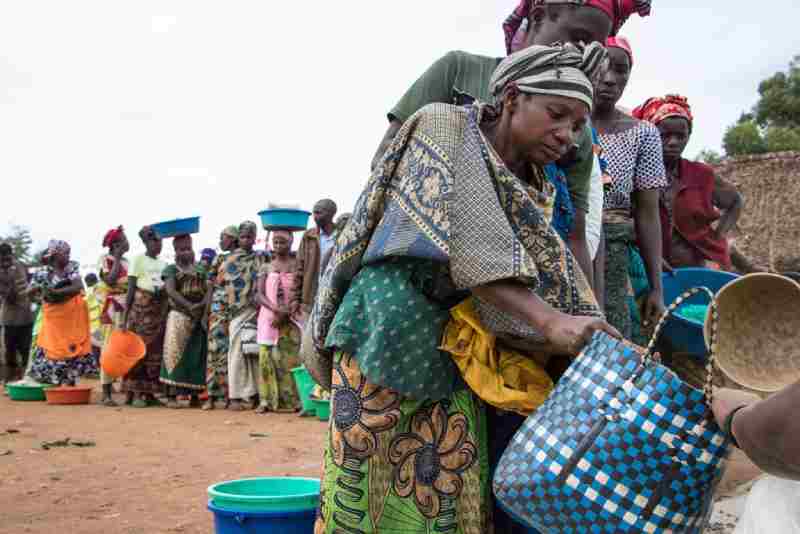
(769, 229)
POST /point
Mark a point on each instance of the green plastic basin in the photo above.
(305, 385)
(323, 409)
(21, 392)
(266, 494)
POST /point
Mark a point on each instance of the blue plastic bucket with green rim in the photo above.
(266, 494)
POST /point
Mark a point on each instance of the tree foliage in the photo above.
(773, 125)
(744, 138)
(20, 240)
(711, 157)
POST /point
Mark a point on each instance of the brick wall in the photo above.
(769, 229)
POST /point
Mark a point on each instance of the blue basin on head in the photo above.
(686, 335)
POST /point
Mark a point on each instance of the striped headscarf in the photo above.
(57, 246)
(617, 10)
(559, 70)
(656, 110)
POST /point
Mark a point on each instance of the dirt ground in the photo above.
(149, 469)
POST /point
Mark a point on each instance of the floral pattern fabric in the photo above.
(217, 363)
(399, 465)
(277, 389)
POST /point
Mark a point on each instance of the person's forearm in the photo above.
(768, 432)
(130, 296)
(113, 276)
(600, 273)
(580, 247)
(388, 137)
(648, 230)
(518, 301)
(729, 219)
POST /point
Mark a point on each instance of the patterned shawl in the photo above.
(441, 193)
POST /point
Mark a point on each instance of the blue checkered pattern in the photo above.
(621, 445)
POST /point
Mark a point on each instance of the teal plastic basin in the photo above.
(305, 385)
(266, 494)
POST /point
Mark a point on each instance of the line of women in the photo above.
(458, 293)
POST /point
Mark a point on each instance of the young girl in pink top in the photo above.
(278, 329)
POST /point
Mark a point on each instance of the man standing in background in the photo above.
(314, 245)
(16, 317)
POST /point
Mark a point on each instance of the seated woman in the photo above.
(695, 198)
(64, 343)
(185, 338)
(278, 329)
(458, 210)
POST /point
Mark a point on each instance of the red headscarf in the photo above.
(621, 43)
(617, 10)
(112, 235)
(656, 110)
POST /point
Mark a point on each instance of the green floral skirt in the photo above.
(396, 465)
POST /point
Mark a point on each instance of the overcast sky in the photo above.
(130, 113)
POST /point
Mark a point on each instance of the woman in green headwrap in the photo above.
(217, 365)
(458, 210)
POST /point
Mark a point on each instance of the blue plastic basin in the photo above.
(284, 218)
(245, 522)
(686, 335)
(177, 227)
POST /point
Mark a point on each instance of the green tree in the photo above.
(744, 138)
(20, 240)
(779, 102)
(782, 138)
(773, 125)
(707, 155)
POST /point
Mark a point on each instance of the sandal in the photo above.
(262, 410)
(109, 402)
(173, 404)
(208, 406)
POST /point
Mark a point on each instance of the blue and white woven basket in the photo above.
(621, 445)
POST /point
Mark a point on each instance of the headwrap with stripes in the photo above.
(656, 110)
(559, 70)
(618, 11)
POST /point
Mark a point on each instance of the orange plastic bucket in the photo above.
(68, 395)
(122, 352)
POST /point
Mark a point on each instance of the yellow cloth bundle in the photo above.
(501, 377)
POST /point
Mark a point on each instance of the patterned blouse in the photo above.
(635, 163)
